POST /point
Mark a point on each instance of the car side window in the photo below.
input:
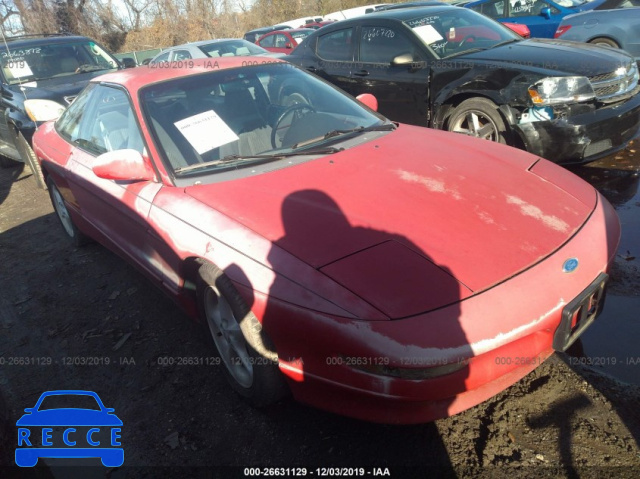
(163, 58)
(494, 9)
(109, 123)
(181, 55)
(68, 125)
(527, 8)
(336, 45)
(268, 41)
(382, 44)
(281, 40)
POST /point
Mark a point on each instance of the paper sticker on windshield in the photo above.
(428, 34)
(206, 131)
(19, 69)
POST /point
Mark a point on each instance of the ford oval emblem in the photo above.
(570, 265)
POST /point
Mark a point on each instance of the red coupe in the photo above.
(283, 41)
(377, 270)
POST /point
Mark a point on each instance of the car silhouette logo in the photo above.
(90, 431)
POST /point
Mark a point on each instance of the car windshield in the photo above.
(65, 401)
(301, 35)
(456, 31)
(232, 48)
(40, 62)
(220, 120)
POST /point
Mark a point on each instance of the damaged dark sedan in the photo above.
(454, 69)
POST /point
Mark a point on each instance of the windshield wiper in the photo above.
(90, 68)
(334, 133)
(274, 156)
(510, 40)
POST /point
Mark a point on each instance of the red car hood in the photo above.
(414, 210)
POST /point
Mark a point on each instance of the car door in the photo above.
(116, 210)
(531, 13)
(401, 89)
(268, 42)
(331, 57)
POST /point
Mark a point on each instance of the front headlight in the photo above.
(43, 110)
(561, 90)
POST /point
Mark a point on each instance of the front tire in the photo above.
(247, 354)
(29, 157)
(480, 118)
(62, 212)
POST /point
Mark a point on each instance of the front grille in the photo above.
(69, 99)
(617, 85)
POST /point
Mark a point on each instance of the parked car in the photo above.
(521, 30)
(226, 47)
(40, 75)
(253, 35)
(541, 16)
(454, 69)
(283, 41)
(384, 271)
(618, 28)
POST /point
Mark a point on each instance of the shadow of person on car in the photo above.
(346, 313)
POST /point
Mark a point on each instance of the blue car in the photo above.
(542, 17)
(89, 431)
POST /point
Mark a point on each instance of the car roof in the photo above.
(42, 39)
(135, 78)
(204, 42)
(407, 13)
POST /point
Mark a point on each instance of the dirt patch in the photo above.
(64, 303)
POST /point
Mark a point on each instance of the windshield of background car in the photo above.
(299, 36)
(232, 48)
(258, 110)
(40, 62)
(456, 31)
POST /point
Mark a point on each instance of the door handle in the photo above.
(362, 73)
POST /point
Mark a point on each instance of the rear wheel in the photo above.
(478, 117)
(604, 41)
(247, 354)
(60, 207)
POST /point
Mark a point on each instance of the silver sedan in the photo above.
(619, 28)
(226, 47)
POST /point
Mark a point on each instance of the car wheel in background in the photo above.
(247, 354)
(70, 228)
(604, 41)
(480, 118)
(29, 157)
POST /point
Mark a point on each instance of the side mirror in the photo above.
(124, 165)
(109, 410)
(546, 13)
(369, 100)
(128, 62)
(288, 45)
(404, 59)
(28, 410)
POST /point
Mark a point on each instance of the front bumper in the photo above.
(583, 137)
(501, 335)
